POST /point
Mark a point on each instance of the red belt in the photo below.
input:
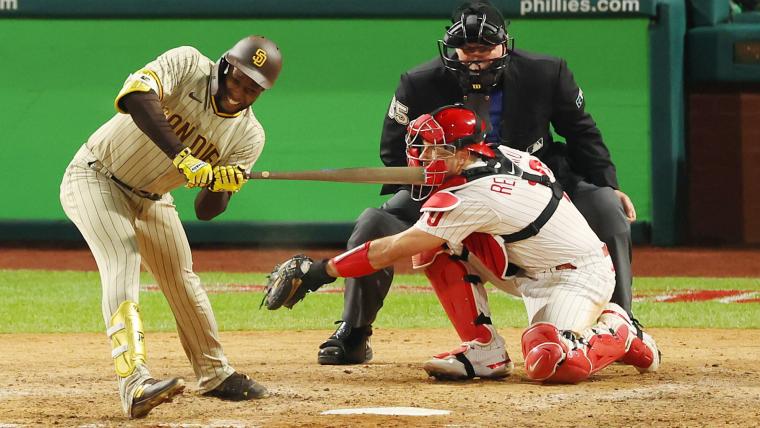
(565, 266)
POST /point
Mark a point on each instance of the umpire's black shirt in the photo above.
(538, 90)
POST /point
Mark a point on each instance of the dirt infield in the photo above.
(647, 261)
(708, 378)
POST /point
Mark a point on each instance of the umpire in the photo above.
(520, 95)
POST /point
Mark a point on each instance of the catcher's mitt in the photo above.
(285, 286)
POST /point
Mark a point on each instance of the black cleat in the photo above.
(238, 387)
(348, 345)
(154, 392)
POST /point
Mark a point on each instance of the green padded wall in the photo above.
(60, 76)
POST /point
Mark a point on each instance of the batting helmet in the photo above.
(256, 56)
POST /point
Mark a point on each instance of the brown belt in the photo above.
(97, 166)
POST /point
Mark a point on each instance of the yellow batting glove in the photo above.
(228, 178)
(197, 172)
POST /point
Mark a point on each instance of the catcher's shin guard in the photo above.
(640, 349)
(462, 296)
(127, 339)
(551, 356)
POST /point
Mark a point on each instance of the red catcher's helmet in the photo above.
(453, 128)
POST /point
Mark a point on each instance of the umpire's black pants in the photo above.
(363, 297)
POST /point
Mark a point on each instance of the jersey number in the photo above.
(434, 218)
(398, 112)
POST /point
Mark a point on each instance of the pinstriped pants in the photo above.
(124, 231)
(571, 299)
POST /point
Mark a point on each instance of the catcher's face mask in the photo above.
(426, 146)
(472, 32)
(433, 139)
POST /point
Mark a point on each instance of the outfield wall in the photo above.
(326, 110)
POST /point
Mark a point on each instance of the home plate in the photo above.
(393, 411)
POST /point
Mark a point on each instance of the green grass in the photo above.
(35, 301)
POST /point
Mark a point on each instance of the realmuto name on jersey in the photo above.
(201, 147)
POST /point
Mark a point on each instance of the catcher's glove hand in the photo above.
(292, 279)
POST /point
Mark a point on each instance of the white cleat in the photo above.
(472, 359)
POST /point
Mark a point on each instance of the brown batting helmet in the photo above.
(258, 57)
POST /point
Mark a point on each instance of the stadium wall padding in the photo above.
(325, 112)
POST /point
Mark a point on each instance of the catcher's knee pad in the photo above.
(462, 297)
(127, 338)
(549, 357)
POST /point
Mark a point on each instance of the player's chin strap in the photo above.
(502, 165)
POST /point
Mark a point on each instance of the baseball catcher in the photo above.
(483, 208)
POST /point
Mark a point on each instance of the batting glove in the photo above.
(228, 178)
(197, 172)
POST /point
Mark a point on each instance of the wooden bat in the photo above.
(380, 175)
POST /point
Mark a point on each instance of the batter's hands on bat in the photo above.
(228, 178)
(197, 172)
(628, 208)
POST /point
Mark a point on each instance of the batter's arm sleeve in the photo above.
(148, 115)
(587, 153)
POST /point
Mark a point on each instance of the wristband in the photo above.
(354, 263)
(317, 275)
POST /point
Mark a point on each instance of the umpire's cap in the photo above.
(258, 57)
(476, 21)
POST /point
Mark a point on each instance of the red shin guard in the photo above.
(638, 355)
(543, 349)
(447, 276)
(605, 349)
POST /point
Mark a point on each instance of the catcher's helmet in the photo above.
(475, 22)
(256, 56)
(450, 128)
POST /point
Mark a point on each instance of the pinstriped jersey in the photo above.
(503, 204)
(181, 79)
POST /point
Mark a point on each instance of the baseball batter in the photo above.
(183, 120)
(488, 207)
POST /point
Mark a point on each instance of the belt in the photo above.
(97, 166)
(565, 266)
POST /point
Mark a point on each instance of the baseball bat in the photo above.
(379, 175)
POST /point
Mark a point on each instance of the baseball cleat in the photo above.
(152, 393)
(238, 387)
(472, 359)
(640, 348)
(348, 345)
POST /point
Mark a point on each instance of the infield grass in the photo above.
(37, 301)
